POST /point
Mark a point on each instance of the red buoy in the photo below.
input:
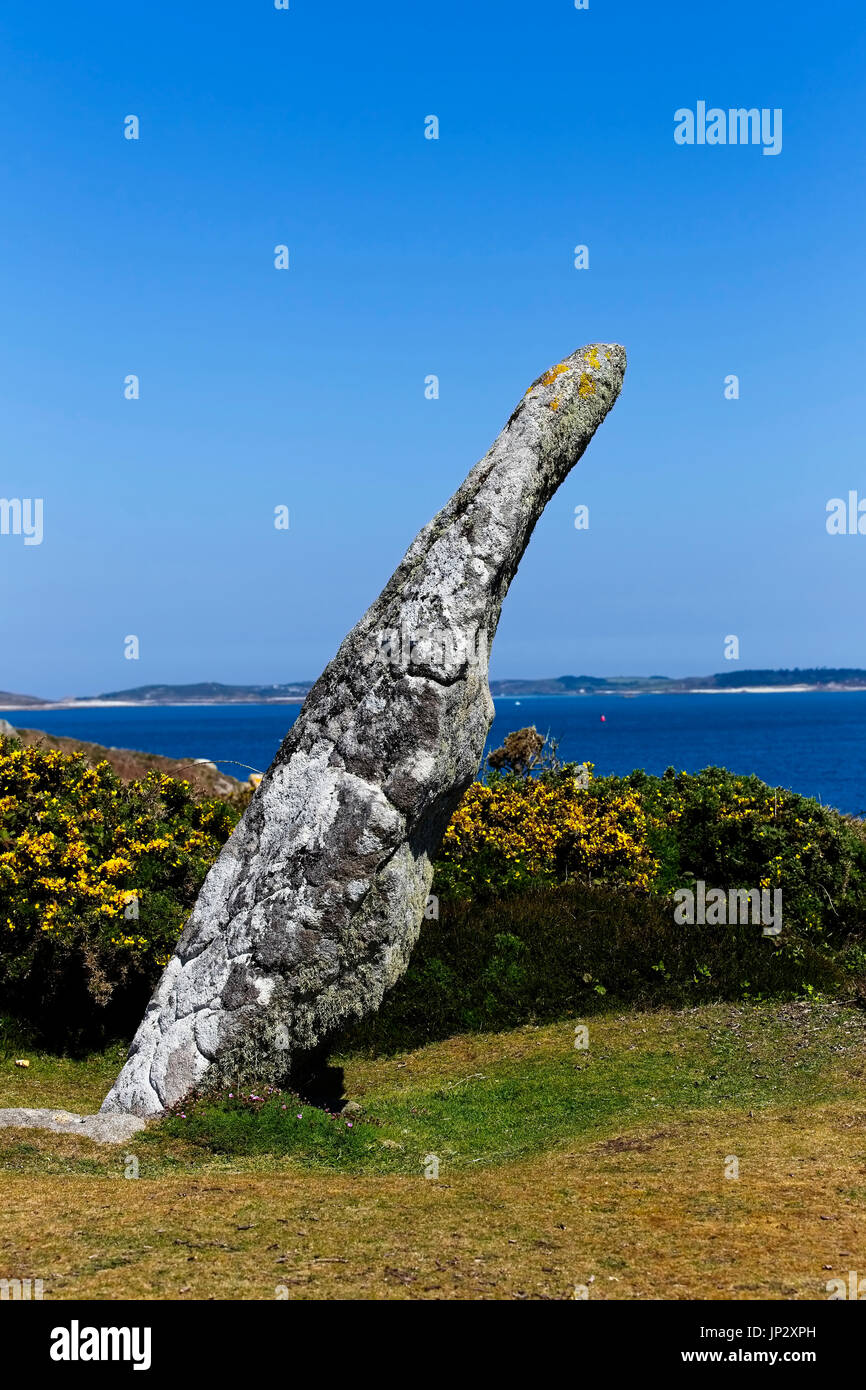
(603, 719)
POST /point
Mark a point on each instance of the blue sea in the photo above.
(811, 742)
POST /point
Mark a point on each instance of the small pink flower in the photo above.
(300, 1117)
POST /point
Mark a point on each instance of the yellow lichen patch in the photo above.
(592, 358)
(586, 385)
(550, 377)
(554, 404)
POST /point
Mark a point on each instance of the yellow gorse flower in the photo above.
(84, 858)
(537, 828)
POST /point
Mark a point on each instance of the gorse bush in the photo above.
(519, 830)
(734, 831)
(655, 834)
(96, 880)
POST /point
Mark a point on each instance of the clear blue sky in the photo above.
(410, 257)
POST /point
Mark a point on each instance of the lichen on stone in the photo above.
(550, 376)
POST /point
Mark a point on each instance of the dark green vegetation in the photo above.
(557, 951)
(809, 675)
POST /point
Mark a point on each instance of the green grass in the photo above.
(71, 1083)
(485, 1100)
(746, 1056)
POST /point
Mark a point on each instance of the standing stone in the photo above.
(311, 910)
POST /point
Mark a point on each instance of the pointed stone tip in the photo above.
(588, 382)
(585, 365)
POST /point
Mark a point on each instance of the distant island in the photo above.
(294, 692)
(809, 678)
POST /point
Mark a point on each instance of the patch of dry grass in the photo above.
(649, 1214)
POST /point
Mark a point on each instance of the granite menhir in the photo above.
(312, 909)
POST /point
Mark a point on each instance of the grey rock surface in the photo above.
(101, 1128)
(7, 730)
(311, 910)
